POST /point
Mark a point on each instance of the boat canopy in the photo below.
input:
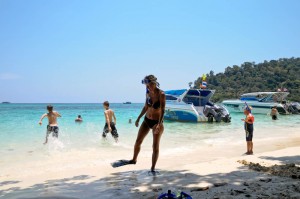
(198, 97)
(175, 92)
(198, 92)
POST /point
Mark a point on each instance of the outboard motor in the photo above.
(294, 108)
(218, 112)
(210, 113)
(225, 114)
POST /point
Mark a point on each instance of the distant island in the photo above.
(5, 102)
(126, 102)
(251, 77)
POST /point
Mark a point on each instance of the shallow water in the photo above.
(21, 136)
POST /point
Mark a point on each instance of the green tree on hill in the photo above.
(250, 77)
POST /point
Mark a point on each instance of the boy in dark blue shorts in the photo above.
(110, 125)
(52, 126)
(249, 120)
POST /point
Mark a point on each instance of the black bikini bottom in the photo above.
(150, 123)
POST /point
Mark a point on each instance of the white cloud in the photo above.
(9, 76)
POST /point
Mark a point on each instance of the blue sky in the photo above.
(91, 51)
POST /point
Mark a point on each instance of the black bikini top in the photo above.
(149, 102)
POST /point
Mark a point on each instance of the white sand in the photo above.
(88, 175)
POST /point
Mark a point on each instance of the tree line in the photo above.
(251, 77)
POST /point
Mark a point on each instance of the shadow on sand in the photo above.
(284, 159)
(138, 184)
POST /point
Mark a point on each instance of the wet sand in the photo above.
(216, 172)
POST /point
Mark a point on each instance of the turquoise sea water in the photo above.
(20, 132)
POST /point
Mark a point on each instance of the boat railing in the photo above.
(194, 108)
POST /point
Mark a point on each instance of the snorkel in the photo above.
(248, 108)
(147, 80)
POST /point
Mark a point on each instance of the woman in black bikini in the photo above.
(154, 109)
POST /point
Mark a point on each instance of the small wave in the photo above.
(55, 144)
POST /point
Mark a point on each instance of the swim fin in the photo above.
(120, 163)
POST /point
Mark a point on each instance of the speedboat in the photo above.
(194, 105)
(261, 102)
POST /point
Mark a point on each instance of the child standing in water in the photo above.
(249, 120)
(52, 126)
(274, 113)
(110, 125)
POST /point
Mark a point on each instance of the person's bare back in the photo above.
(52, 126)
(52, 117)
(110, 114)
(110, 122)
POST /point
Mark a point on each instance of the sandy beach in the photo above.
(169, 85)
(220, 171)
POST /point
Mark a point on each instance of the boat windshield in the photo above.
(265, 96)
(198, 97)
(275, 97)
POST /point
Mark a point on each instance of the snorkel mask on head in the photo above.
(148, 80)
(247, 108)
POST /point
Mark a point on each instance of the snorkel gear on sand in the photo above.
(171, 195)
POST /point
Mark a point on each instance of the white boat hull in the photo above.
(257, 107)
(184, 112)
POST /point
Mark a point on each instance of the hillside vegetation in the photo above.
(251, 77)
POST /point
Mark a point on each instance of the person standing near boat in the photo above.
(249, 120)
(153, 110)
(274, 113)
